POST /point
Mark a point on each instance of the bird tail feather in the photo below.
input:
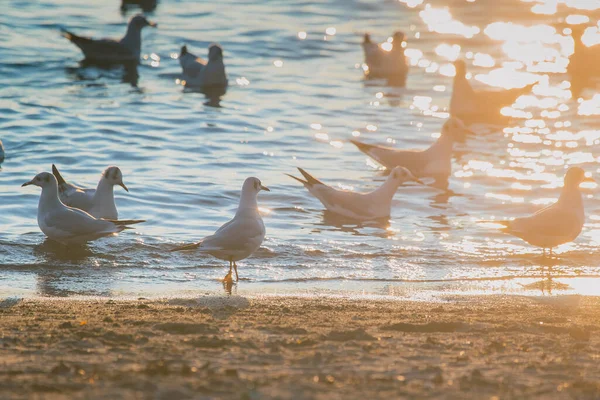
(59, 178)
(123, 222)
(66, 34)
(364, 147)
(311, 180)
(298, 179)
(187, 247)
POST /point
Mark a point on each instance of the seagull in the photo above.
(436, 161)
(359, 206)
(1, 152)
(386, 60)
(240, 237)
(110, 51)
(69, 225)
(583, 63)
(200, 73)
(99, 202)
(584, 60)
(472, 105)
(558, 223)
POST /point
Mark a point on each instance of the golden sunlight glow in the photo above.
(589, 107)
(449, 52)
(440, 20)
(411, 3)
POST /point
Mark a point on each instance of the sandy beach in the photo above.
(302, 348)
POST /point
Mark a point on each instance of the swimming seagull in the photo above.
(200, 73)
(99, 202)
(436, 161)
(1, 152)
(359, 206)
(558, 223)
(111, 51)
(584, 60)
(472, 105)
(583, 63)
(386, 62)
(240, 237)
(69, 225)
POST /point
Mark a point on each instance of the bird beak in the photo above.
(152, 24)
(27, 184)
(589, 179)
(264, 188)
(415, 179)
(123, 186)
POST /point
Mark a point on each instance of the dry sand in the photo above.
(301, 348)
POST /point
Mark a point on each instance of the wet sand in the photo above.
(279, 347)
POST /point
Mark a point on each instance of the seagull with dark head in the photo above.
(203, 74)
(109, 51)
(386, 60)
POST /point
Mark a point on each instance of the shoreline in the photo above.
(431, 290)
(325, 347)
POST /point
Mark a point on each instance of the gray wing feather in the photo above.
(77, 222)
(235, 234)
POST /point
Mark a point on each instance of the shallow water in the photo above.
(294, 102)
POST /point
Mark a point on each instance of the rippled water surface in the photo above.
(296, 95)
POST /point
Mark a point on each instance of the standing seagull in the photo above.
(240, 237)
(109, 51)
(472, 105)
(99, 202)
(69, 225)
(558, 223)
(203, 74)
(436, 161)
(359, 206)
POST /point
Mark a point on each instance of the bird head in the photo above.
(399, 37)
(139, 21)
(399, 175)
(215, 52)
(253, 185)
(456, 130)
(575, 176)
(114, 176)
(43, 179)
(461, 68)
